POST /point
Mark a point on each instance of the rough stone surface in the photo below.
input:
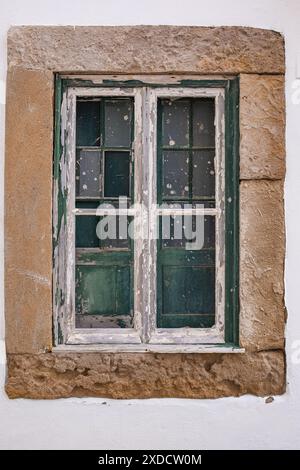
(147, 49)
(28, 218)
(145, 375)
(262, 127)
(262, 248)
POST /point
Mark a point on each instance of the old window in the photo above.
(146, 256)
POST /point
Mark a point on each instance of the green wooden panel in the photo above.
(175, 257)
(87, 123)
(182, 321)
(103, 290)
(188, 295)
(103, 258)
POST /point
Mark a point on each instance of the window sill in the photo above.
(154, 348)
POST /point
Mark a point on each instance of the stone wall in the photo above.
(34, 54)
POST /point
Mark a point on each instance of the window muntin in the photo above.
(144, 326)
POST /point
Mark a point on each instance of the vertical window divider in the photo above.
(190, 150)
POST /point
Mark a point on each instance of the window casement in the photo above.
(146, 215)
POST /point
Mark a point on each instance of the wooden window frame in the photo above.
(144, 335)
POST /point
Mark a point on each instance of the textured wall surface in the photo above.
(262, 120)
(145, 375)
(147, 49)
(34, 54)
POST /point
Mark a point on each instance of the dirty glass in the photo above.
(104, 264)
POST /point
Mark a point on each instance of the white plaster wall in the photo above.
(237, 423)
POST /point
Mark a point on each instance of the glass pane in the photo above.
(113, 232)
(203, 122)
(175, 130)
(86, 236)
(209, 231)
(197, 231)
(88, 168)
(87, 123)
(118, 121)
(176, 173)
(203, 173)
(116, 180)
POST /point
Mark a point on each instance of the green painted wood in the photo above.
(232, 212)
(59, 295)
(103, 290)
(182, 257)
(185, 320)
(105, 258)
(77, 82)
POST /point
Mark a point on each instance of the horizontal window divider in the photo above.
(100, 212)
(188, 211)
(105, 335)
(155, 348)
(187, 336)
(178, 148)
(106, 149)
(156, 212)
(101, 91)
